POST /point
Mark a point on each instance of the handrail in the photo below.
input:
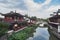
(54, 23)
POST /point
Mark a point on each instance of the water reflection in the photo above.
(42, 34)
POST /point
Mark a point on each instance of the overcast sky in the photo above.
(38, 8)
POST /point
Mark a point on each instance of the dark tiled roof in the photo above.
(13, 14)
(55, 17)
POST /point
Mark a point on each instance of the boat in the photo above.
(54, 23)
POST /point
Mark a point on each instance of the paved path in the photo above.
(20, 29)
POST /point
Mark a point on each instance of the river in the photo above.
(42, 34)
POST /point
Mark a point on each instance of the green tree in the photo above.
(33, 18)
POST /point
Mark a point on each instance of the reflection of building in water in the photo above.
(54, 23)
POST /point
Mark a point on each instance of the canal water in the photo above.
(42, 34)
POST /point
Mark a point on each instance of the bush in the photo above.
(3, 28)
(4, 25)
(22, 35)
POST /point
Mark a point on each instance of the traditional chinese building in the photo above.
(54, 23)
(15, 20)
(12, 17)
